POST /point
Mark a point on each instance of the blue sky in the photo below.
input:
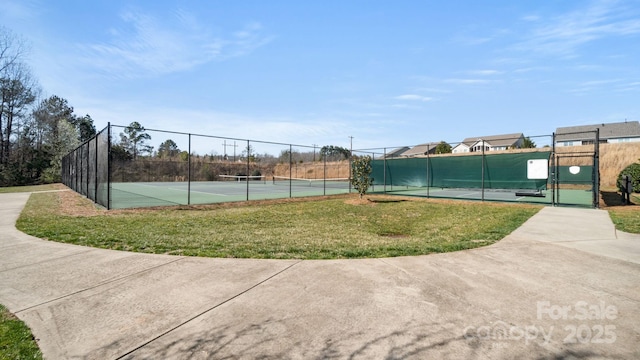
(388, 73)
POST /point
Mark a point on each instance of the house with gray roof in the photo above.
(490, 143)
(422, 149)
(396, 152)
(418, 150)
(628, 131)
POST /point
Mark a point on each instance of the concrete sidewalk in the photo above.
(564, 285)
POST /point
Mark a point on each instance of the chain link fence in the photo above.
(118, 168)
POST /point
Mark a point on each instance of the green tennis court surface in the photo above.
(144, 194)
(569, 197)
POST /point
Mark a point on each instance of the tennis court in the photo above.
(539, 175)
(528, 177)
(230, 189)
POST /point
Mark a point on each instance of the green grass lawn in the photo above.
(15, 189)
(303, 229)
(16, 340)
(627, 218)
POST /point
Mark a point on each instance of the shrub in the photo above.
(634, 171)
(361, 174)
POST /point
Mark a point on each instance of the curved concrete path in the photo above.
(564, 285)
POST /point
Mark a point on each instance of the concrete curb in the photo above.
(85, 303)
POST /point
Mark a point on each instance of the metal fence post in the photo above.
(482, 170)
(553, 169)
(428, 150)
(350, 162)
(109, 166)
(248, 166)
(189, 174)
(384, 171)
(95, 193)
(596, 171)
(324, 176)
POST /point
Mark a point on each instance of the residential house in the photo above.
(418, 150)
(628, 131)
(421, 150)
(490, 143)
(396, 152)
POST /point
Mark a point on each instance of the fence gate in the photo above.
(575, 174)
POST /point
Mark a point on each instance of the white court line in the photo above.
(469, 194)
(195, 191)
(174, 189)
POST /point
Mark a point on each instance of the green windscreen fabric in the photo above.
(501, 171)
(401, 172)
(575, 175)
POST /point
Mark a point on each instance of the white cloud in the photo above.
(404, 106)
(531, 69)
(145, 46)
(632, 87)
(600, 86)
(435, 90)
(485, 72)
(589, 67)
(473, 40)
(413, 97)
(467, 81)
(565, 34)
(472, 36)
(600, 82)
(22, 9)
(531, 18)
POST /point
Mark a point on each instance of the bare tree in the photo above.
(17, 92)
(12, 48)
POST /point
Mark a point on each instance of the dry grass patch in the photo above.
(613, 159)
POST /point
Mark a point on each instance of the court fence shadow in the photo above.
(613, 198)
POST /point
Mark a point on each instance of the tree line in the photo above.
(35, 132)
(133, 144)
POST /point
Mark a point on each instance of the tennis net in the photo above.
(240, 178)
(334, 183)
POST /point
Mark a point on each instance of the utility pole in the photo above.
(234, 151)
(314, 152)
(234, 146)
